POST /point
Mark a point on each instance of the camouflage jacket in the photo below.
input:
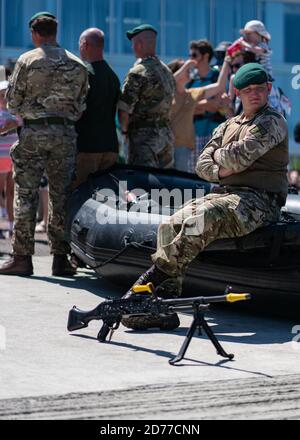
(256, 150)
(148, 92)
(48, 81)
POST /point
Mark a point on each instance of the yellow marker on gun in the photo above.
(235, 297)
(146, 288)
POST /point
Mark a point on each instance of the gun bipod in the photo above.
(200, 323)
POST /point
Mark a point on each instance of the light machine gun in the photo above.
(112, 311)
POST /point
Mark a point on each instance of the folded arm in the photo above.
(207, 168)
(240, 155)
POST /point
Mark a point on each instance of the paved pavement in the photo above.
(47, 373)
(250, 399)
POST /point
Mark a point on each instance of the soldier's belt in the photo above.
(48, 121)
(148, 124)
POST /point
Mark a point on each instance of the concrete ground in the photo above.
(47, 373)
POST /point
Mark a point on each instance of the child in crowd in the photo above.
(255, 39)
(8, 137)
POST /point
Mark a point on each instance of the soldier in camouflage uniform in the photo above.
(248, 157)
(47, 89)
(145, 104)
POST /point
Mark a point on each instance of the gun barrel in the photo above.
(187, 308)
(231, 297)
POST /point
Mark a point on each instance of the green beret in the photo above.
(137, 30)
(251, 73)
(41, 14)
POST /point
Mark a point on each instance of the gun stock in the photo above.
(79, 319)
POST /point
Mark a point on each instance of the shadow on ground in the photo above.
(222, 363)
(230, 326)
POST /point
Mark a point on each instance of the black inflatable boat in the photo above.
(112, 226)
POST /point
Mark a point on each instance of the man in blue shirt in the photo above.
(207, 116)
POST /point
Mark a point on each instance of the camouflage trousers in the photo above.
(51, 150)
(151, 147)
(222, 214)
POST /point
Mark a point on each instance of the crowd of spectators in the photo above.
(204, 98)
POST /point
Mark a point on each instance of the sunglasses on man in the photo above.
(236, 66)
(194, 55)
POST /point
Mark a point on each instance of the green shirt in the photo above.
(148, 92)
(97, 127)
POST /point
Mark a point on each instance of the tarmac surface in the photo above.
(46, 373)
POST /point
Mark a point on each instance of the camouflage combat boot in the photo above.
(18, 265)
(166, 289)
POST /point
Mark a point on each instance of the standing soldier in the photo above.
(145, 103)
(47, 89)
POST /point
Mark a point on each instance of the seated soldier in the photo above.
(248, 157)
